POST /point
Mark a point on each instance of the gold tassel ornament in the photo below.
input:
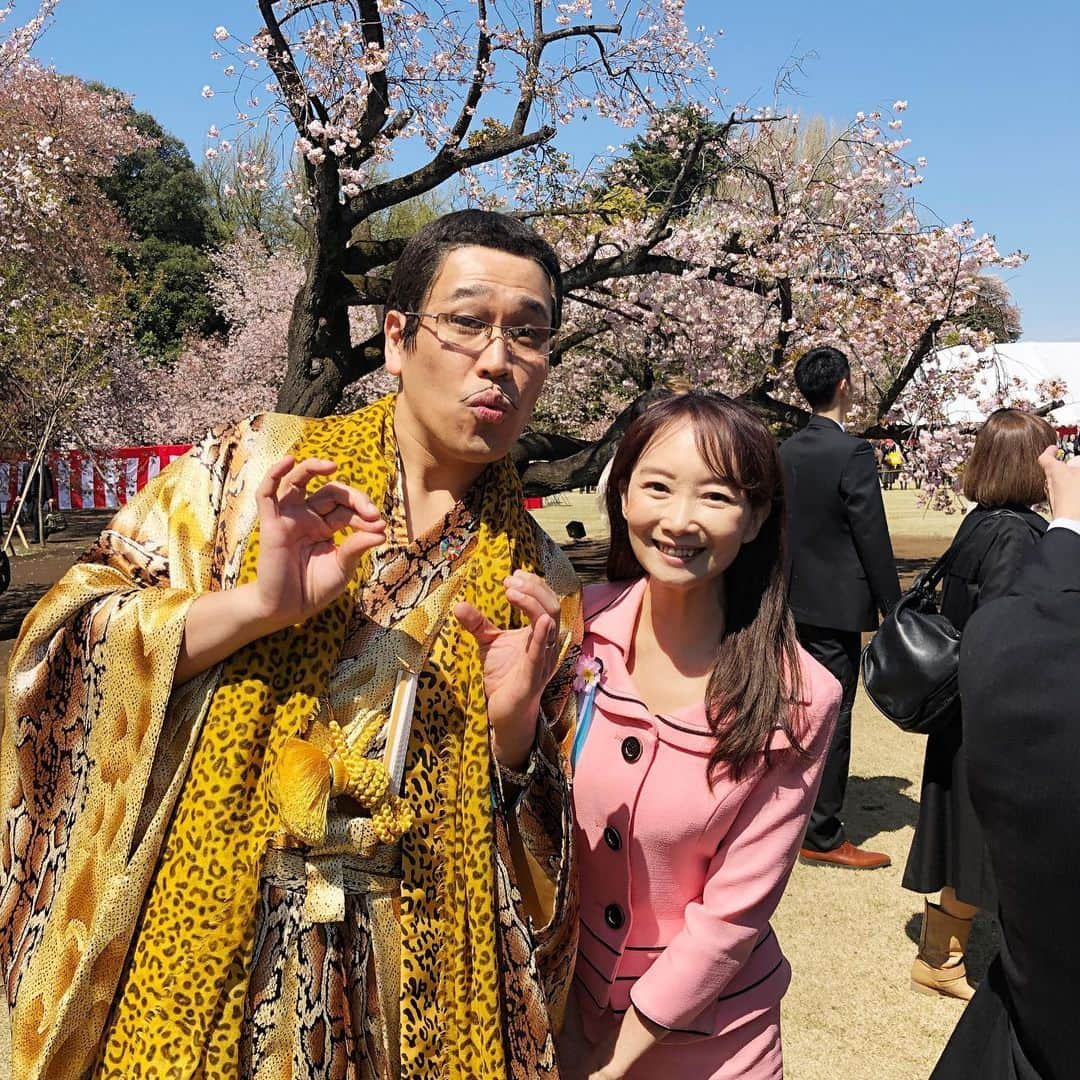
(306, 778)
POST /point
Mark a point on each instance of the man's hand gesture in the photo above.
(517, 663)
(300, 569)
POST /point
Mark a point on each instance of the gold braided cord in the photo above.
(368, 781)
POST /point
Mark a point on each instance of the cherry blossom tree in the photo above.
(57, 138)
(783, 243)
(389, 100)
(763, 238)
(214, 378)
(55, 359)
(17, 42)
(59, 279)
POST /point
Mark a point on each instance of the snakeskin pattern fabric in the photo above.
(100, 760)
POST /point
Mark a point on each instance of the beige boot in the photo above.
(939, 967)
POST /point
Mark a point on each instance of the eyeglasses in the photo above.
(473, 334)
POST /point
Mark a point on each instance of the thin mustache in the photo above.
(502, 393)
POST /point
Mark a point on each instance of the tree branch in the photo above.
(364, 255)
(640, 261)
(447, 161)
(564, 343)
(280, 60)
(761, 401)
(375, 108)
(783, 335)
(365, 357)
(476, 87)
(583, 469)
(543, 446)
(532, 71)
(910, 368)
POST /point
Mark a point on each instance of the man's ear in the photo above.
(394, 345)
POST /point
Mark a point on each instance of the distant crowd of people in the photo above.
(320, 763)
(891, 465)
(1068, 443)
(997, 823)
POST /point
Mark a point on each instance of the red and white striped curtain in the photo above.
(103, 480)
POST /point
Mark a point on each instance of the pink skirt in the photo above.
(751, 1051)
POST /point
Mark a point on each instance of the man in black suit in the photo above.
(1020, 684)
(841, 572)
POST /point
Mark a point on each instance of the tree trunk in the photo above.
(544, 446)
(319, 347)
(583, 468)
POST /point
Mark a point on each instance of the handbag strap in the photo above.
(928, 580)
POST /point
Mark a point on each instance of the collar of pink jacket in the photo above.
(611, 613)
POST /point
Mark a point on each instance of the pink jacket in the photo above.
(678, 882)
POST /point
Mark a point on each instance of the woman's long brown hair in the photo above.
(755, 686)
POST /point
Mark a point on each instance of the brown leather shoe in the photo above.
(846, 855)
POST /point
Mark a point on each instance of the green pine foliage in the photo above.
(163, 199)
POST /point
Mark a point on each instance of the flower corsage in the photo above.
(588, 676)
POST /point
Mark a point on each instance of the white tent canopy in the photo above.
(1030, 361)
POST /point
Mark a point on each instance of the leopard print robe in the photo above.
(96, 750)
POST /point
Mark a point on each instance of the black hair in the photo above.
(818, 373)
(420, 262)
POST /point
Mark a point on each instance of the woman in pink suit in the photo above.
(702, 732)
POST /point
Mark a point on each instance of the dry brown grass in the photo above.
(849, 1014)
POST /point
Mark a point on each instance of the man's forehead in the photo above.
(475, 271)
(479, 290)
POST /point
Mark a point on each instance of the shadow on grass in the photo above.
(589, 559)
(982, 946)
(909, 569)
(14, 605)
(877, 804)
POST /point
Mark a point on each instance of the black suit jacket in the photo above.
(1020, 684)
(840, 563)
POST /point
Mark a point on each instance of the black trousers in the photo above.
(838, 652)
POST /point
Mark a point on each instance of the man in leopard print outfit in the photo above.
(268, 594)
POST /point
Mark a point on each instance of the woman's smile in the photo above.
(673, 552)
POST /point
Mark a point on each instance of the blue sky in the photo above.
(993, 92)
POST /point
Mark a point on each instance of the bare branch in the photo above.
(638, 261)
(280, 59)
(918, 354)
(476, 87)
(531, 75)
(581, 31)
(759, 399)
(583, 468)
(379, 97)
(783, 334)
(365, 255)
(446, 163)
(564, 343)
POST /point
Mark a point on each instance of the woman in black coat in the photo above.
(948, 853)
(1021, 682)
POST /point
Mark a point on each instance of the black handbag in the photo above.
(910, 667)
